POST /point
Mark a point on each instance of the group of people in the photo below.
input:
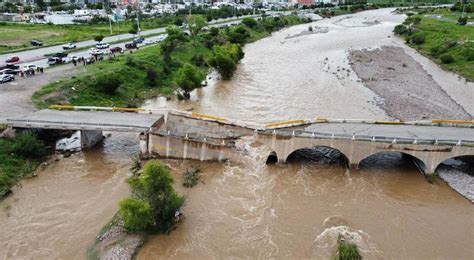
(30, 72)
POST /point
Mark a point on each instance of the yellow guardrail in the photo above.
(204, 116)
(462, 122)
(125, 109)
(282, 123)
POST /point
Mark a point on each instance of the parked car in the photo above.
(30, 67)
(4, 78)
(54, 61)
(36, 43)
(115, 49)
(13, 59)
(102, 45)
(60, 55)
(69, 46)
(94, 51)
(138, 40)
(131, 45)
(9, 72)
(12, 67)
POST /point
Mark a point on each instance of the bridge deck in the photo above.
(398, 131)
(87, 120)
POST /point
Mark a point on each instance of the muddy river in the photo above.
(245, 208)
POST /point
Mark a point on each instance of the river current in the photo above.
(245, 208)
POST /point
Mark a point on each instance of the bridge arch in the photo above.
(466, 159)
(388, 159)
(319, 153)
(272, 158)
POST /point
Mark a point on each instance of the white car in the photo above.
(102, 45)
(69, 46)
(6, 77)
(30, 67)
(95, 51)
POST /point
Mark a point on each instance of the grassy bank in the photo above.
(144, 74)
(18, 158)
(445, 42)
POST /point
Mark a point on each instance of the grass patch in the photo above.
(448, 44)
(18, 158)
(191, 177)
(346, 251)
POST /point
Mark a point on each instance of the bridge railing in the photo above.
(368, 138)
(80, 125)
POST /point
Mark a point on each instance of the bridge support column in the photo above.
(144, 140)
(353, 166)
(90, 138)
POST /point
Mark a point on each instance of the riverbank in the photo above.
(445, 42)
(144, 74)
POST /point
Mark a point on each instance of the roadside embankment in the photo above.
(406, 90)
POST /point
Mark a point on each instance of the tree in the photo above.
(189, 78)
(174, 39)
(155, 187)
(98, 38)
(195, 25)
(225, 58)
(238, 35)
(137, 214)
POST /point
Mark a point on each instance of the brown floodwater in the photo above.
(245, 208)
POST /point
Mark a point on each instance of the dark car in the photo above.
(36, 43)
(9, 72)
(6, 78)
(13, 59)
(54, 61)
(12, 67)
(60, 55)
(115, 49)
(138, 40)
(131, 45)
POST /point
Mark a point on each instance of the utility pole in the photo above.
(138, 19)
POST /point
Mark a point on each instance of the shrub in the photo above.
(437, 50)
(400, 29)
(155, 187)
(198, 59)
(191, 177)
(29, 146)
(446, 58)
(137, 214)
(462, 20)
(225, 58)
(152, 76)
(214, 31)
(189, 78)
(249, 22)
(129, 61)
(238, 35)
(418, 39)
(347, 251)
(98, 38)
(108, 83)
(469, 54)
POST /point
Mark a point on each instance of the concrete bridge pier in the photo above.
(144, 139)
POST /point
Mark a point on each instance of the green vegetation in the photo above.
(191, 177)
(154, 203)
(447, 43)
(129, 79)
(18, 157)
(346, 251)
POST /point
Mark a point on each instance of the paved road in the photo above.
(89, 120)
(37, 55)
(398, 131)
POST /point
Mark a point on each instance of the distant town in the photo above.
(71, 11)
